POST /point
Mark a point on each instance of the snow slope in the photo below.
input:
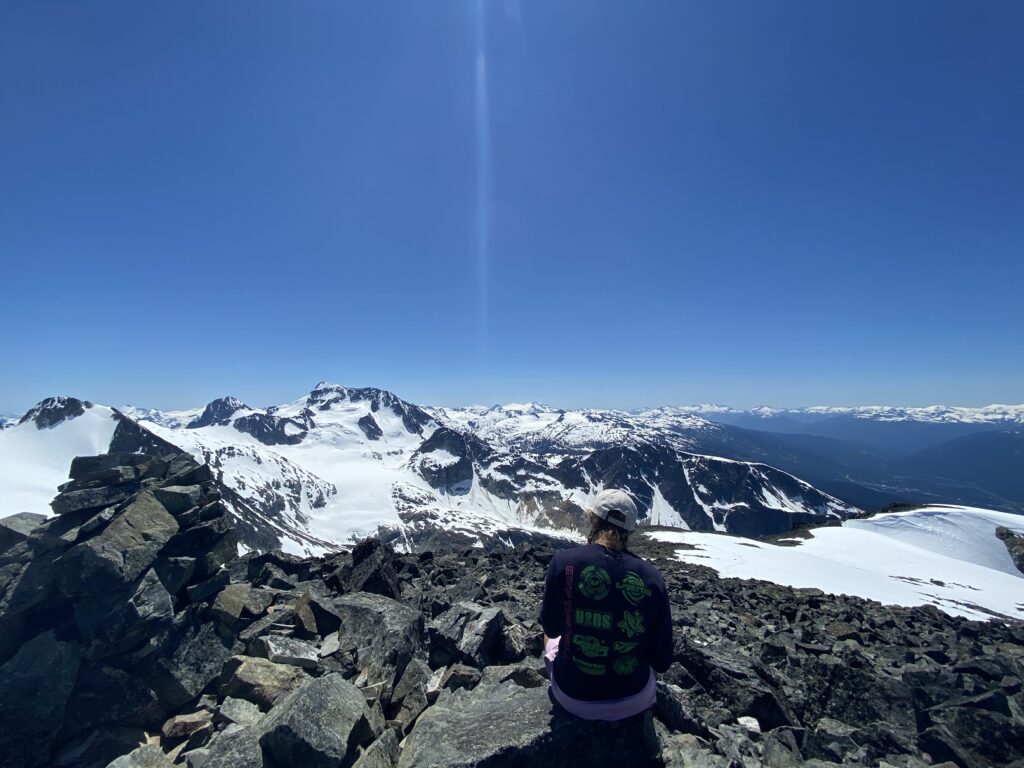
(34, 460)
(944, 556)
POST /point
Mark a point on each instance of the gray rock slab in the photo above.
(34, 688)
(319, 726)
(238, 711)
(235, 747)
(147, 756)
(121, 552)
(383, 753)
(179, 498)
(286, 650)
(499, 725)
(260, 681)
(385, 632)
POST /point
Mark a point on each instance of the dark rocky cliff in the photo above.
(129, 619)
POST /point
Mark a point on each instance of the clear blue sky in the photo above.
(624, 204)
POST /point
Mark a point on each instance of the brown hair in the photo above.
(602, 529)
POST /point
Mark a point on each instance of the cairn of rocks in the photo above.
(133, 635)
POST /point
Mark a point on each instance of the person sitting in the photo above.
(606, 619)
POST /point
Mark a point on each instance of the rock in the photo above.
(99, 748)
(286, 650)
(685, 750)
(146, 756)
(319, 726)
(749, 724)
(121, 552)
(238, 711)
(92, 498)
(677, 710)
(515, 643)
(259, 600)
(433, 687)
(467, 632)
(190, 659)
(235, 747)
(15, 528)
(183, 726)
(179, 498)
(330, 645)
(230, 602)
(107, 695)
(207, 588)
(385, 632)
(120, 621)
(506, 725)
(782, 749)
(460, 676)
(175, 572)
(409, 698)
(382, 753)
(35, 685)
(373, 570)
(262, 682)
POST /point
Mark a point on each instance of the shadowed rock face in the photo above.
(137, 616)
(53, 410)
(1014, 545)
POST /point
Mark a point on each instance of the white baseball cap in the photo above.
(616, 507)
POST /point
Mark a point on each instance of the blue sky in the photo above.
(586, 203)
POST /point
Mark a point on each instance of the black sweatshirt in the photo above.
(611, 610)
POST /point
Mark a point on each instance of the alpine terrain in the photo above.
(340, 462)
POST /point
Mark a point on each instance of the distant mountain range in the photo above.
(344, 461)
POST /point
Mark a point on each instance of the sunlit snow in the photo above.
(945, 556)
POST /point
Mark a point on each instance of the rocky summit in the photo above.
(133, 634)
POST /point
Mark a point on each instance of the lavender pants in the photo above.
(605, 709)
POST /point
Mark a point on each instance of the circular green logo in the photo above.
(624, 665)
(595, 582)
(633, 588)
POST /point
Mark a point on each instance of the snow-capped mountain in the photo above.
(343, 462)
(933, 414)
(946, 556)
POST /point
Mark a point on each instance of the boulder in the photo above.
(469, 633)
(190, 657)
(286, 650)
(385, 633)
(121, 552)
(504, 724)
(238, 711)
(99, 747)
(88, 499)
(179, 498)
(320, 726)
(460, 676)
(183, 726)
(35, 685)
(230, 602)
(175, 572)
(107, 695)
(15, 528)
(146, 756)
(373, 570)
(118, 621)
(262, 682)
(235, 747)
(382, 753)
(207, 588)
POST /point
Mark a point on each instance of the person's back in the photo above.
(613, 623)
(609, 612)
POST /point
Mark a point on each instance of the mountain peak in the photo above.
(218, 411)
(51, 411)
